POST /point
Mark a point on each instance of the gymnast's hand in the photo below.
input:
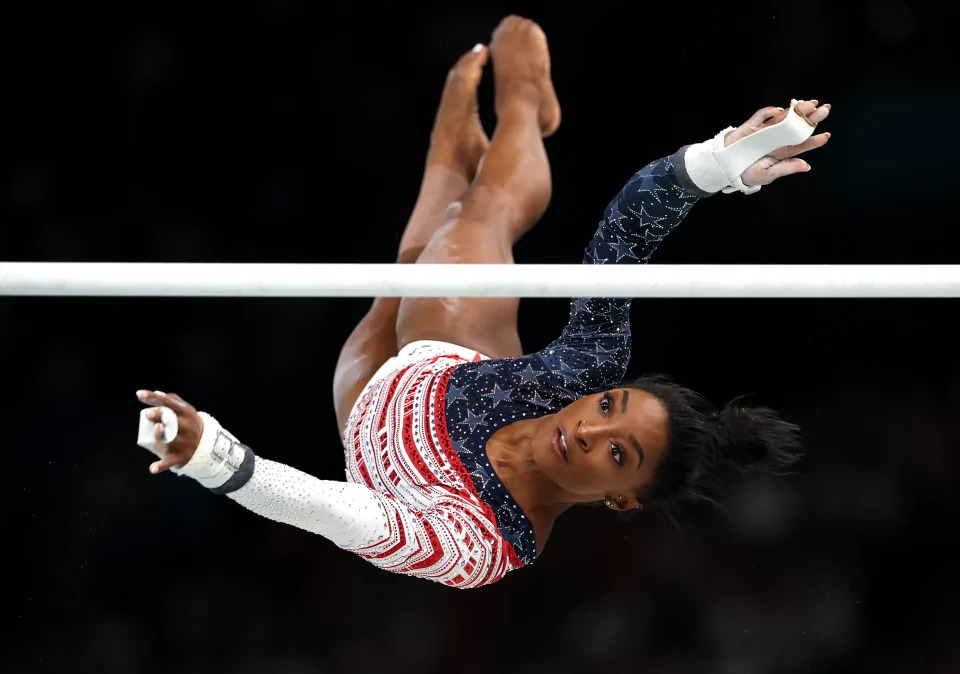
(779, 163)
(190, 427)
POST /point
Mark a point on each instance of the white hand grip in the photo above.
(145, 437)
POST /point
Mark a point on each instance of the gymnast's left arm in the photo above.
(658, 197)
(596, 339)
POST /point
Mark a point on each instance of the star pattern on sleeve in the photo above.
(474, 420)
(529, 374)
(454, 393)
(623, 249)
(481, 478)
(498, 395)
(571, 374)
(486, 368)
(540, 402)
(606, 355)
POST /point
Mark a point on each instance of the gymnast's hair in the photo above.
(705, 445)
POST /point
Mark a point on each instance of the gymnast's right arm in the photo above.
(348, 514)
(440, 542)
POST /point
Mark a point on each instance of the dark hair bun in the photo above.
(756, 439)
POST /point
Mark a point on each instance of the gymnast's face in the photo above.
(604, 446)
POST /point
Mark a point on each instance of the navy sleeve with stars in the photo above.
(591, 354)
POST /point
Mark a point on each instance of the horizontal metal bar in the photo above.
(89, 279)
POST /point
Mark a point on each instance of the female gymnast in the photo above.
(461, 451)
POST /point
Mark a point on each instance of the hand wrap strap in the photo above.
(713, 167)
(221, 463)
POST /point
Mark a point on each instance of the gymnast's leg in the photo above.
(457, 144)
(510, 192)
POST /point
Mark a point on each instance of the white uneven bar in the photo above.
(90, 279)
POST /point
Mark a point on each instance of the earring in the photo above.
(609, 503)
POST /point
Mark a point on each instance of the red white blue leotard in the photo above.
(421, 498)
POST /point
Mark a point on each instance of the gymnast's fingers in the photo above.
(811, 143)
(179, 401)
(152, 398)
(820, 113)
(163, 464)
(157, 466)
(764, 116)
(784, 168)
(806, 108)
(161, 399)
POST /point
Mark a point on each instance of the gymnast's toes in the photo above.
(467, 71)
(458, 140)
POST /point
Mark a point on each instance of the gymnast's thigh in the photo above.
(484, 324)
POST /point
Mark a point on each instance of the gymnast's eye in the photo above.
(617, 454)
(606, 401)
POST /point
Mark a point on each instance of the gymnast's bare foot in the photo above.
(458, 140)
(521, 66)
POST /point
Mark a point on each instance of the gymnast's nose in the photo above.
(584, 435)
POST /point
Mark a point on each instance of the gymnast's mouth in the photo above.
(560, 444)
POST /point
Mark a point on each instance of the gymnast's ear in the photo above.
(624, 503)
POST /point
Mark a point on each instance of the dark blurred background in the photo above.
(287, 131)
